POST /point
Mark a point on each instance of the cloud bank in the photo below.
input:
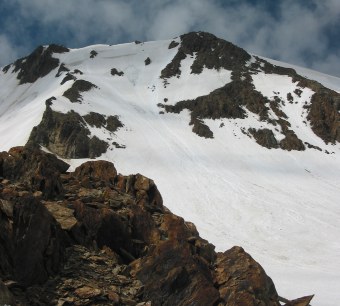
(299, 32)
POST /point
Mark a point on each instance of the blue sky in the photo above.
(303, 32)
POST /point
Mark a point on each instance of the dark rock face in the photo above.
(38, 64)
(38, 170)
(212, 52)
(39, 244)
(62, 68)
(242, 281)
(264, 137)
(226, 102)
(147, 61)
(324, 115)
(114, 71)
(66, 135)
(79, 86)
(108, 240)
(111, 123)
(291, 142)
(231, 100)
(68, 77)
(93, 54)
(6, 239)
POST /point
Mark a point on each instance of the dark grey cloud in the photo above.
(303, 32)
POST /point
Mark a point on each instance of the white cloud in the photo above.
(297, 32)
(8, 52)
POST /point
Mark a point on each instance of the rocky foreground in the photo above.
(95, 237)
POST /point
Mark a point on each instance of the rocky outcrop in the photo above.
(111, 123)
(211, 52)
(114, 71)
(242, 281)
(264, 137)
(38, 240)
(324, 115)
(79, 86)
(231, 100)
(228, 101)
(107, 239)
(38, 64)
(39, 171)
(66, 135)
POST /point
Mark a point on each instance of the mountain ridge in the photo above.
(231, 178)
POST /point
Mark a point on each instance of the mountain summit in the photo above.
(245, 147)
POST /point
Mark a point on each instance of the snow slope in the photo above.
(282, 207)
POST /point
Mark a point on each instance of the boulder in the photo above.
(39, 170)
(242, 281)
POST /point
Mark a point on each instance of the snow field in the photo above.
(282, 207)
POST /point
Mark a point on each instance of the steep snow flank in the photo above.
(271, 85)
(326, 80)
(21, 107)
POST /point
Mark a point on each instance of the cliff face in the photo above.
(95, 237)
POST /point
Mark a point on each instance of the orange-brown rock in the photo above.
(242, 281)
(107, 239)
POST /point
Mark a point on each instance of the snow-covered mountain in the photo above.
(245, 147)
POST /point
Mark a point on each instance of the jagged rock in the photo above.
(114, 71)
(79, 86)
(93, 54)
(38, 64)
(38, 170)
(66, 135)
(95, 119)
(87, 292)
(225, 102)
(6, 239)
(96, 170)
(38, 241)
(68, 77)
(324, 115)
(173, 44)
(172, 276)
(147, 61)
(63, 215)
(264, 137)
(111, 123)
(111, 241)
(291, 142)
(211, 52)
(62, 68)
(242, 281)
(303, 301)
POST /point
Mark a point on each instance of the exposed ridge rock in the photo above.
(38, 64)
(114, 71)
(111, 123)
(120, 246)
(79, 86)
(38, 170)
(324, 115)
(211, 52)
(66, 135)
(264, 137)
(242, 281)
(226, 102)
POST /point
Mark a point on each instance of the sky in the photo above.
(301, 32)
